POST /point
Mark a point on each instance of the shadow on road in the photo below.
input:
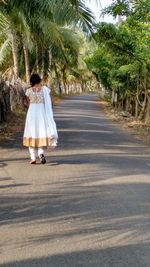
(124, 257)
(100, 186)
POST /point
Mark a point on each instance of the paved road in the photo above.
(89, 206)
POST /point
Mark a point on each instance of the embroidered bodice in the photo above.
(35, 97)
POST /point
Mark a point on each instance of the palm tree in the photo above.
(45, 26)
(10, 19)
(8, 29)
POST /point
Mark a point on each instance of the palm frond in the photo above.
(4, 24)
(71, 38)
(4, 50)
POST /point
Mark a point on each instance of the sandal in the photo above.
(42, 159)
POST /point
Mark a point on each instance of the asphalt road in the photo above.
(89, 206)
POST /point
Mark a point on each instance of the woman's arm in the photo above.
(27, 101)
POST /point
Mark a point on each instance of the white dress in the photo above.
(38, 131)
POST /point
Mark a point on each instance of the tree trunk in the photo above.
(137, 99)
(143, 107)
(114, 99)
(64, 78)
(127, 104)
(42, 66)
(37, 59)
(15, 53)
(49, 66)
(145, 103)
(58, 81)
(4, 101)
(27, 65)
(147, 119)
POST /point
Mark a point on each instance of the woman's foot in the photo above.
(33, 162)
(42, 159)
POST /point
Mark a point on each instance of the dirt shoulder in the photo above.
(131, 124)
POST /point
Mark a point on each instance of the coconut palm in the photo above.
(44, 24)
(8, 29)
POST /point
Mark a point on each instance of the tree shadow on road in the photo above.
(102, 195)
(93, 212)
(124, 257)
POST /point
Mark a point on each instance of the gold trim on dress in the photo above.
(37, 142)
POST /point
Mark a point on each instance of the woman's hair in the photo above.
(35, 79)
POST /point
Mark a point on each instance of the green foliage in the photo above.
(44, 28)
(119, 7)
(121, 61)
(101, 64)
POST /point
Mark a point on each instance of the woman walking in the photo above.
(40, 128)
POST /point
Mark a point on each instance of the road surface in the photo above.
(89, 206)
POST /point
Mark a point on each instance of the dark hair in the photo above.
(35, 79)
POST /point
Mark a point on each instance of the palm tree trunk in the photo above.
(15, 53)
(49, 66)
(57, 78)
(137, 99)
(147, 119)
(42, 70)
(37, 59)
(63, 70)
(4, 101)
(27, 65)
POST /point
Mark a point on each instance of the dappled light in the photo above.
(90, 200)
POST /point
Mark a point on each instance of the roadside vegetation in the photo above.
(121, 61)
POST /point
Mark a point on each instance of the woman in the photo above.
(40, 128)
